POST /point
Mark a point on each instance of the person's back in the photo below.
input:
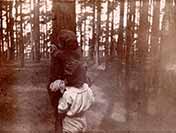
(74, 103)
(74, 71)
(71, 56)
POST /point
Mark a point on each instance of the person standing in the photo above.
(77, 95)
(56, 72)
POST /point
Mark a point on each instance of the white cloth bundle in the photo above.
(57, 85)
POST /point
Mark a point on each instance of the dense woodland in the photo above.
(139, 34)
(127, 29)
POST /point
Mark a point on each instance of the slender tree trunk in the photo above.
(7, 30)
(46, 32)
(155, 52)
(85, 24)
(107, 34)
(92, 43)
(130, 30)
(120, 34)
(143, 30)
(32, 31)
(155, 26)
(11, 24)
(81, 30)
(37, 31)
(21, 36)
(112, 52)
(130, 104)
(16, 30)
(143, 53)
(1, 34)
(97, 56)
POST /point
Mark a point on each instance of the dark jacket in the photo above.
(74, 70)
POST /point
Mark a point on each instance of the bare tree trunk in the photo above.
(130, 28)
(120, 34)
(143, 53)
(1, 34)
(65, 16)
(36, 31)
(112, 52)
(155, 51)
(92, 43)
(21, 36)
(46, 33)
(16, 30)
(32, 31)
(155, 26)
(7, 29)
(11, 24)
(97, 56)
(129, 92)
(1, 24)
(84, 4)
(81, 30)
(107, 35)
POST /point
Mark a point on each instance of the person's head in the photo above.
(67, 39)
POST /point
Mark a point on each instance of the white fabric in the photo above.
(56, 85)
(75, 101)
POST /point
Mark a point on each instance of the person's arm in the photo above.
(64, 103)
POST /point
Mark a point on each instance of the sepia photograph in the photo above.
(87, 66)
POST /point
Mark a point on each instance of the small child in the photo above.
(74, 103)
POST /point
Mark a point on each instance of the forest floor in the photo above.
(25, 105)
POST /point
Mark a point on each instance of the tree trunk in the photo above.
(7, 30)
(112, 52)
(7, 22)
(11, 24)
(85, 24)
(155, 26)
(130, 103)
(143, 52)
(120, 34)
(155, 51)
(97, 56)
(81, 29)
(36, 31)
(21, 37)
(107, 35)
(32, 31)
(64, 15)
(92, 43)
(16, 31)
(143, 29)
(1, 34)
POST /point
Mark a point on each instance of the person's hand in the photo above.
(53, 49)
(57, 85)
(53, 87)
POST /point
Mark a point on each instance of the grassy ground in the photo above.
(25, 105)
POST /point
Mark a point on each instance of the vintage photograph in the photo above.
(87, 66)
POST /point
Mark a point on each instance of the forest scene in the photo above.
(128, 48)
